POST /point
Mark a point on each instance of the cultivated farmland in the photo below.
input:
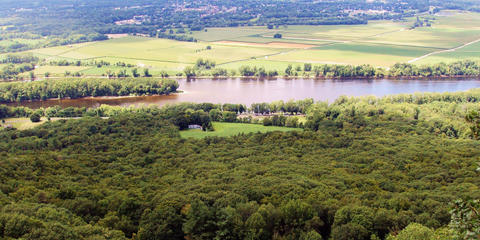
(380, 43)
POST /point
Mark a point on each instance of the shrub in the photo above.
(35, 117)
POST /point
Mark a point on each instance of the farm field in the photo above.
(219, 34)
(149, 49)
(264, 62)
(379, 43)
(354, 53)
(223, 129)
(434, 37)
(471, 52)
(58, 70)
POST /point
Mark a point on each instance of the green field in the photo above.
(264, 62)
(354, 53)
(24, 123)
(380, 43)
(142, 49)
(218, 34)
(223, 129)
(58, 70)
(471, 52)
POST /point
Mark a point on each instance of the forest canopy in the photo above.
(364, 168)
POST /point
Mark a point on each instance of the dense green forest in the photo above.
(62, 22)
(364, 168)
(84, 87)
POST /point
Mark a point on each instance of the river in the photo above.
(249, 91)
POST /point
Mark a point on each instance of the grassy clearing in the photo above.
(230, 129)
(24, 123)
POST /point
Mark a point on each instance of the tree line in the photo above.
(278, 113)
(454, 69)
(18, 64)
(77, 88)
(421, 108)
(464, 68)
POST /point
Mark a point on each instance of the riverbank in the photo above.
(80, 88)
(248, 91)
(207, 77)
(459, 69)
(425, 78)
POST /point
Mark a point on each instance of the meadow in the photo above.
(379, 43)
(224, 129)
(24, 123)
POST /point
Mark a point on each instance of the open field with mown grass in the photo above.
(379, 43)
(223, 129)
(24, 123)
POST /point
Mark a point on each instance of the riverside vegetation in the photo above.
(84, 87)
(17, 67)
(364, 168)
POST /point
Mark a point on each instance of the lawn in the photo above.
(23, 123)
(223, 129)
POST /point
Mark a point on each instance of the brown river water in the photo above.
(247, 91)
